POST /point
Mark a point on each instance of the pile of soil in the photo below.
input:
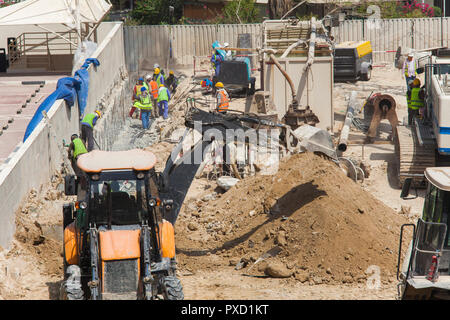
(324, 226)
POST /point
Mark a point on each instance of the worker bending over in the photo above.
(76, 148)
(223, 99)
(87, 128)
(163, 101)
(172, 82)
(415, 98)
(145, 105)
(136, 94)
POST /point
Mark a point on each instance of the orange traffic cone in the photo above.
(432, 272)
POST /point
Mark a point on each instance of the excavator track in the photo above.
(412, 158)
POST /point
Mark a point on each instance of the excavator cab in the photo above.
(425, 273)
(117, 244)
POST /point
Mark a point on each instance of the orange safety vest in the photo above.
(154, 87)
(224, 101)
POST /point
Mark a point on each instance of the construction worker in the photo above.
(157, 66)
(163, 101)
(146, 106)
(136, 93)
(409, 69)
(172, 82)
(87, 128)
(76, 148)
(153, 89)
(223, 99)
(216, 60)
(416, 100)
(159, 78)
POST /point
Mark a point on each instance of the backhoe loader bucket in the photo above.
(315, 140)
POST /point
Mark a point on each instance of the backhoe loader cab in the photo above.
(117, 244)
(425, 273)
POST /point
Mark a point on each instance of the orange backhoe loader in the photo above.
(117, 244)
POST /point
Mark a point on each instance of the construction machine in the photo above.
(117, 242)
(425, 272)
(353, 61)
(426, 143)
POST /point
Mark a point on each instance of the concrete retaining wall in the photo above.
(36, 160)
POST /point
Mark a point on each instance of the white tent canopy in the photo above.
(54, 11)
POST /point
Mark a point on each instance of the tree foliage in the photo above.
(400, 9)
(156, 12)
(239, 11)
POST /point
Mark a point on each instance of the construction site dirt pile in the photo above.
(327, 228)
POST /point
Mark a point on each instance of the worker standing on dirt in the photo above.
(136, 93)
(216, 60)
(76, 148)
(416, 97)
(153, 89)
(163, 101)
(409, 69)
(159, 78)
(145, 105)
(172, 82)
(223, 99)
(87, 128)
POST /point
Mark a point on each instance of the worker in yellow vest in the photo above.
(163, 101)
(136, 94)
(158, 76)
(145, 105)
(416, 101)
(87, 128)
(223, 99)
(76, 148)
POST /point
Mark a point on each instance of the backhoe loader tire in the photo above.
(172, 288)
(71, 288)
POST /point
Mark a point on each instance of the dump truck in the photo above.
(117, 243)
(353, 61)
(425, 272)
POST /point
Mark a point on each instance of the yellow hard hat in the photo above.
(157, 71)
(416, 82)
(99, 113)
(171, 72)
(161, 85)
(219, 85)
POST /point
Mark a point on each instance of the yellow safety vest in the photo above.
(416, 103)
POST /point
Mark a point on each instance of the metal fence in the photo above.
(386, 35)
(152, 43)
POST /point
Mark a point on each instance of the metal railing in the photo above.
(41, 44)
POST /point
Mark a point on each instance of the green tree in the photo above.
(155, 12)
(240, 11)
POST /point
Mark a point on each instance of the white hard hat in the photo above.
(410, 54)
(226, 44)
(148, 77)
(156, 66)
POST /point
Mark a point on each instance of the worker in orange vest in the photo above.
(153, 88)
(223, 99)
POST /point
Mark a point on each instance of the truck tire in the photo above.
(172, 288)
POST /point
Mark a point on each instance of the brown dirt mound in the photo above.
(327, 227)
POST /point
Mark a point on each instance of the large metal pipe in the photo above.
(343, 139)
(289, 80)
(312, 45)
